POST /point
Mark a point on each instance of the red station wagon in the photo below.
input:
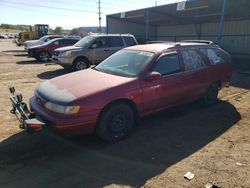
(130, 84)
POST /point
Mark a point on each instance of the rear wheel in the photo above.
(116, 122)
(211, 94)
(43, 56)
(80, 64)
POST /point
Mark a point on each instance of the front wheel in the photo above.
(211, 94)
(80, 64)
(43, 56)
(115, 123)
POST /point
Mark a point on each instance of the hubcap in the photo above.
(44, 56)
(118, 123)
(80, 65)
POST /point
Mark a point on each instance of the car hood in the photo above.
(36, 46)
(82, 84)
(31, 41)
(68, 48)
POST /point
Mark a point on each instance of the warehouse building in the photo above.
(226, 22)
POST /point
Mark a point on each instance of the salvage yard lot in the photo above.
(211, 142)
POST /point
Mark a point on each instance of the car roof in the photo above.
(157, 47)
(52, 36)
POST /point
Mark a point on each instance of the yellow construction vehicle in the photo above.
(39, 31)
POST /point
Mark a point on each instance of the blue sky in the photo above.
(66, 13)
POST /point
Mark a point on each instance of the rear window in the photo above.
(215, 56)
(130, 41)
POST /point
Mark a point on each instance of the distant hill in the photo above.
(9, 27)
(92, 29)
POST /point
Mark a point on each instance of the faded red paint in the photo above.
(94, 90)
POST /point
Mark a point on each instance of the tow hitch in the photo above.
(26, 117)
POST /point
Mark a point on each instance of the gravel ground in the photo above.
(213, 143)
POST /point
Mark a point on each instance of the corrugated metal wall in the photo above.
(123, 27)
(236, 37)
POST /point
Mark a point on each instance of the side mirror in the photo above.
(152, 76)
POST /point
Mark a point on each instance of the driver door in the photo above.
(167, 90)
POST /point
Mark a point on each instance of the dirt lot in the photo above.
(213, 143)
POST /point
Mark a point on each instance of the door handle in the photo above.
(106, 50)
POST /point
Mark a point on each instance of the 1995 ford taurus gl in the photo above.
(130, 84)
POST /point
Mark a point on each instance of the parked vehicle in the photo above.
(43, 52)
(36, 32)
(134, 82)
(92, 49)
(41, 41)
(3, 36)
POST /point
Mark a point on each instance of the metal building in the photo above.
(226, 22)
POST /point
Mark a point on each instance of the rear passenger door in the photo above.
(195, 76)
(106, 46)
(114, 44)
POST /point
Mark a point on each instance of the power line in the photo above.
(44, 6)
(32, 10)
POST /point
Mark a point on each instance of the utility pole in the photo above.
(221, 29)
(99, 14)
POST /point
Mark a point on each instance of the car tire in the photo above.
(80, 64)
(43, 56)
(115, 123)
(211, 95)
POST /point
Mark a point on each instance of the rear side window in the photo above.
(72, 42)
(130, 41)
(168, 64)
(68, 41)
(57, 42)
(215, 56)
(192, 60)
(115, 42)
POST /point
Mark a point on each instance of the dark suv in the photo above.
(92, 49)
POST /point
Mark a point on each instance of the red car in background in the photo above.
(44, 52)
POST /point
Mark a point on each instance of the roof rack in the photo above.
(199, 41)
(161, 41)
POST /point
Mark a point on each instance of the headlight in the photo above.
(62, 109)
(65, 54)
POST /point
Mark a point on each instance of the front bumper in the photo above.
(68, 125)
(37, 118)
(26, 117)
(31, 53)
(63, 61)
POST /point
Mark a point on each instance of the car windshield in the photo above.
(50, 41)
(43, 38)
(84, 42)
(128, 63)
